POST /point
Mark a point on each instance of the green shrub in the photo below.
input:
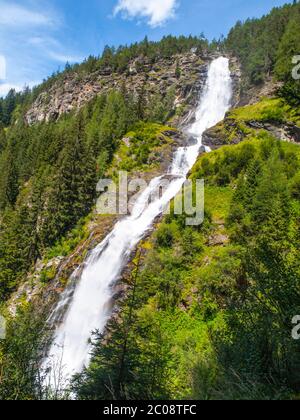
(166, 235)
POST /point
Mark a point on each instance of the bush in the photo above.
(165, 235)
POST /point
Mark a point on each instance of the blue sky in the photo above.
(39, 36)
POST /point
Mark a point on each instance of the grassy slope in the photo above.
(205, 272)
(267, 110)
(143, 148)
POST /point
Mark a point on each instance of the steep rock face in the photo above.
(253, 95)
(191, 105)
(73, 91)
(236, 75)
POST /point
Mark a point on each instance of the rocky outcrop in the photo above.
(226, 132)
(229, 132)
(214, 137)
(73, 90)
(285, 132)
(71, 93)
(254, 94)
(236, 76)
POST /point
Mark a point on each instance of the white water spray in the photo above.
(88, 297)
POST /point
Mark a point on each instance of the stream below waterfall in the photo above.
(85, 305)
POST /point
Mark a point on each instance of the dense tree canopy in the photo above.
(268, 45)
(48, 179)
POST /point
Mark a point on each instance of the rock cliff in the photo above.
(73, 90)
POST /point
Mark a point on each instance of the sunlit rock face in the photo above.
(72, 91)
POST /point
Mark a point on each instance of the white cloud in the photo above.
(14, 15)
(30, 33)
(156, 11)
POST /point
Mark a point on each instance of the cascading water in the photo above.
(85, 305)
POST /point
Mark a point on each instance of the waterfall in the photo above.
(87, 299)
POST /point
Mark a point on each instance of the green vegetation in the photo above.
(21, 353)
(48, 176)
(241, 123)
(269, 110)
(142, 147)
(289, 47)
(198, 304)
(208, 312)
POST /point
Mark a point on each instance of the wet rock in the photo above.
(192, 141)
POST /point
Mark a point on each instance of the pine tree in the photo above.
(9, 181)
(2, 138)
(74, 186)
(9, 106)
(288, 50)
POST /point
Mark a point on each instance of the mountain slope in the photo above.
(203, 313)
(208, 310)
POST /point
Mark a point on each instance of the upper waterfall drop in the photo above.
(216, 98)
(214, 103)
(88, 299)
